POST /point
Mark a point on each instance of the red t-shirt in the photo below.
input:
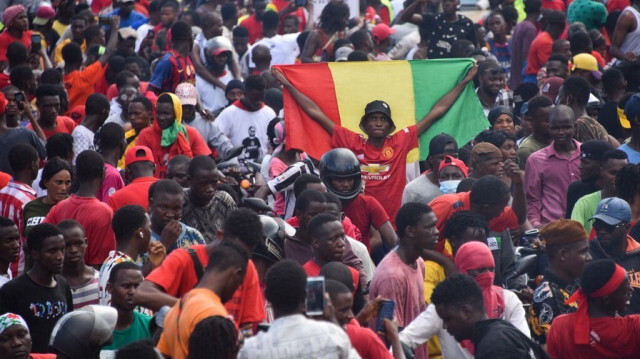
(177, 276)
(366, 342)
(4, 179)
(64, 124)
(610, 338)
(95, 217)
(557, 5)
(539, 52)
(255, 28)
(446, 205)
(6, 39)
(5, 80)
(151, 138)
(313, 270)
(136, 192)
(383, 169)
(365, 211)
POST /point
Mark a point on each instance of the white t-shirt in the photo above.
(246, 128)
(284, 49)
(82, 140)
(213, 97)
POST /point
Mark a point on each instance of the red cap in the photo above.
(3, 103)
(452, 161)
(382, 32)
(134, 155)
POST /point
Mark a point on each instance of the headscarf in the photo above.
(11, 13)
(280, 138)
(497, 111)
(10, 319)
(175, 136)
(582, 325)
(477, 255)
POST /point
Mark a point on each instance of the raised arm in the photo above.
(113, 40)
(310, 108)
(409, 13)
(445, 102)
(623, 28)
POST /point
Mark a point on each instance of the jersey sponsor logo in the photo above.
(374, 168)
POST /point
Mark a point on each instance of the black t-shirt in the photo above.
(578, 189)
(41, 307)
(442, 34)
(608, 118)
(497, 338)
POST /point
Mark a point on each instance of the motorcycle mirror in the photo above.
(525, 264)
(232, 153)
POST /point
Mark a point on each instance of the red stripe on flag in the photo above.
(315, 81)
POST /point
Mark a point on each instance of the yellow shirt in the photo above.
(59, 27)
(433, 275)
(127, 136)
(58, 51)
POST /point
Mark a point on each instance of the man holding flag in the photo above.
(383, 156)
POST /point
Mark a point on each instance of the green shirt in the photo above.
(34, 213)
(528, 146)
(585, 208)
(138, 330)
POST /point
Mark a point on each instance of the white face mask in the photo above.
(447, 187)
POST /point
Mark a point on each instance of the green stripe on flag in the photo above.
(432, 79)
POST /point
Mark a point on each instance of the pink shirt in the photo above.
(395, 280)
(276, 168)
(547, 179)
(112, 182)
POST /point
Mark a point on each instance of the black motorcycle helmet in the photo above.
(341, 163)
(273, 233)
(82, 333)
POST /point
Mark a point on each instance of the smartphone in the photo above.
(301, 3)
(387, 309)
(151, 33)
(104, 20)
(315, 295)
(36, 42)
(19, 100)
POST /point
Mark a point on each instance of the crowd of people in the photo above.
(150, 206)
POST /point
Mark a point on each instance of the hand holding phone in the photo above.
(315, 295)
(387, 309)
(20, 100)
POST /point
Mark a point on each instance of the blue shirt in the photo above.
(186, 239)
(634, 156)
(135, 19)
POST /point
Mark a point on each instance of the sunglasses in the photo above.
(599, 225)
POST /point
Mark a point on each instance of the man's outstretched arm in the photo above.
(445, 102)
(310, 108)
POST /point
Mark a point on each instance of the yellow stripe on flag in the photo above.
(356, 86)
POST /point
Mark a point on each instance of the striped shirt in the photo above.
(13, 197)
(87, 293)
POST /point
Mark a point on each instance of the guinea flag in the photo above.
(411, 88)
